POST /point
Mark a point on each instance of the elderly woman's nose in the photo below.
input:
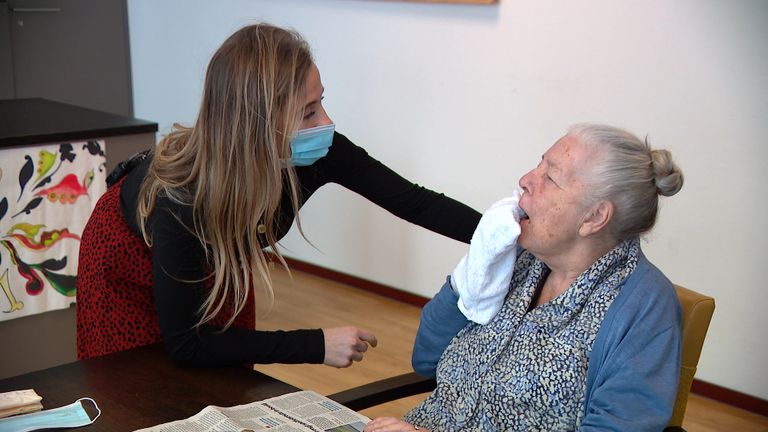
(525, 181)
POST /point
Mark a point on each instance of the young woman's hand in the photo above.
(390, 424)
(343, 345)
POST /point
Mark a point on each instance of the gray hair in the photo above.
(629, 174)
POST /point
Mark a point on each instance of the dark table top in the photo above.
(142, 387)
(40, 121)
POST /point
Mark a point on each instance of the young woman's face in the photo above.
(314, 114)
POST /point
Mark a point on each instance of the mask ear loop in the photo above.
(94, 405)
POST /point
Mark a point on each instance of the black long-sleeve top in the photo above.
(177, 255)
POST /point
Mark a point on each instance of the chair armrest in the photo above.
(383, 391)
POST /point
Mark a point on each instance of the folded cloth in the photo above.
(481, 278)
(19, 402)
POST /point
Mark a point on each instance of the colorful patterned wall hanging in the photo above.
(47, 193)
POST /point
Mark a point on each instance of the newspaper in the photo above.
(300, 412)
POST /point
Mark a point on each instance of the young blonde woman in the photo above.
(173, 250)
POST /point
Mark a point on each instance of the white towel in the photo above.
(481, 279)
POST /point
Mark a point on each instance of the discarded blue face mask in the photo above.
(309, 145)
(69, 416)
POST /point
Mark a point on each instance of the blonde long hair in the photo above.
(228, 165)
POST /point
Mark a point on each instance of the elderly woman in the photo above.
(587, 336)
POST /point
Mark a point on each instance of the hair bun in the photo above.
(667, 176)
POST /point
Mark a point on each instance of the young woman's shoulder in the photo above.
(168, 213)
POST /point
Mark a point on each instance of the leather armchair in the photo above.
(697, 313)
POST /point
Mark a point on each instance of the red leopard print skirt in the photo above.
(115, 299)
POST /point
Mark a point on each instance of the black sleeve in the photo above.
(178, 270)
(352, 167)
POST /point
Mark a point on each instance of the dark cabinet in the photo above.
(71, 51)
(47, 339)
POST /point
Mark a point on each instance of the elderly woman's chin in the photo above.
(525, 233)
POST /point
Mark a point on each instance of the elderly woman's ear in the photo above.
(596, 219)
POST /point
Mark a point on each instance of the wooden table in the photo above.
(142, 387)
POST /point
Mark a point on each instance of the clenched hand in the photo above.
(343, 345)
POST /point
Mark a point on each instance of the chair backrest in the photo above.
(697, 312)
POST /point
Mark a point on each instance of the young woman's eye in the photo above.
(312, 109)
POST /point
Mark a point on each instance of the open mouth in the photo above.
(521, 214)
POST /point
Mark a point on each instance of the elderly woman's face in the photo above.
(552, 198)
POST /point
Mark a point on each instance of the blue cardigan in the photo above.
(634, 365)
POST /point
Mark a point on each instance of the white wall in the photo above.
(464, 99)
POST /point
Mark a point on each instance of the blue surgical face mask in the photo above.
(309, 145)
(69, 416)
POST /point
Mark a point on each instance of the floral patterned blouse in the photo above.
(526, 370)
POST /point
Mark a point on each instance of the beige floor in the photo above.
(308, 301)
